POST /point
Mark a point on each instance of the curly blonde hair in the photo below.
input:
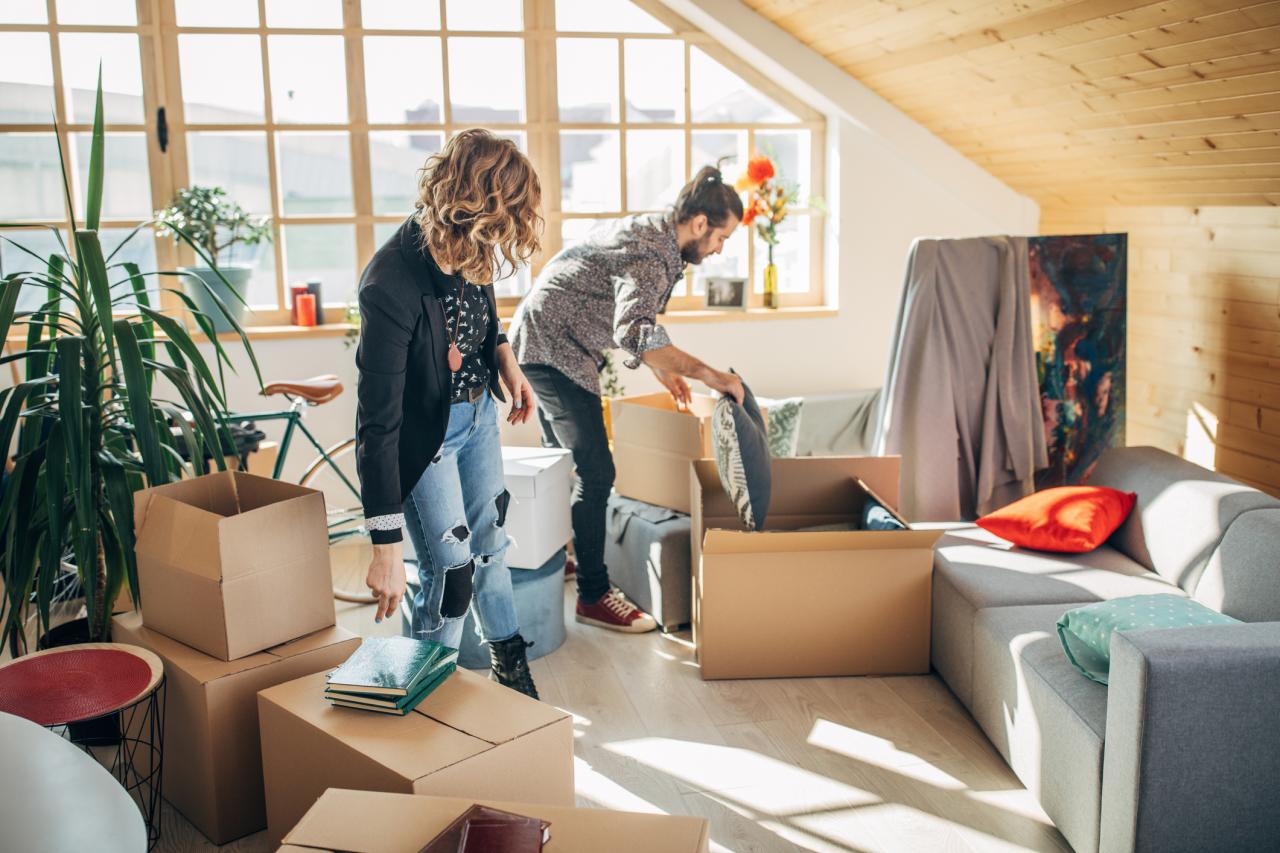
(478, 207)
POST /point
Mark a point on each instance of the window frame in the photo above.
(157, 31)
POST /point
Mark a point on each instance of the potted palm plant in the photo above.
(218, 225)
(107, 380)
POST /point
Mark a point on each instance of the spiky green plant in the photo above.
(93, 425)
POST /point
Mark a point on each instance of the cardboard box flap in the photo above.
(176, 532)
(522, 466)
(406, 822)
(740, 542)
(468, 703)
(311, 642)
(411, 746)
(252, 541)
(653, 421)
(254, 492)
(128, 627)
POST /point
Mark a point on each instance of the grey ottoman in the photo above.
(647, 552)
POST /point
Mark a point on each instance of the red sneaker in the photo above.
(570, 570)
(615, 612)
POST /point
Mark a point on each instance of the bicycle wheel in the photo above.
(349, 546)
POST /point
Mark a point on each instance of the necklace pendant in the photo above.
(455, 358)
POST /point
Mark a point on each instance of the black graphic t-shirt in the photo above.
(472, 326)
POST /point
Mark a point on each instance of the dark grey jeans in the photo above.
(571, 418)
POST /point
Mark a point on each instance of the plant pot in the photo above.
(238, 275)
(104, 731)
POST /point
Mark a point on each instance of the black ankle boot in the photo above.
(510, 666)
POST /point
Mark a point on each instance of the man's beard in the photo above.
(695, 252)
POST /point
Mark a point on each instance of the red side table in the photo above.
(118, 687)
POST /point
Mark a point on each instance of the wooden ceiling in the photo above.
(1093, 102)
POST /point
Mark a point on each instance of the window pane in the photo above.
(400, 14)
(121, 76)
(587, 79)
(26, 74)
(513, 285)
(655, 80)
(589, 172)
(383, 231)
(505, 15)
(308, 78)
(261, 292)
(224, 13)
(717, 94)
(237, 162)
(395, 159)
(790, 256)
(315, 173)
(395, 96)
(789, 151)
(126, 181)
(486, 79)
(119, 12)
(40, 241)
(311, 14)
(726, 147)
(604, 16)
(140, 250)
(731, 261)
(574, 231)
(31, 176)
(655, 168)
(23, 12)
(326, 252)
(221, 78)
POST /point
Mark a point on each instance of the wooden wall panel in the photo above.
(1204, 330)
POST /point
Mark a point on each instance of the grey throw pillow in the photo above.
(742, 456)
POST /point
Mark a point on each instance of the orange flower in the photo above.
(749, 215)
(760, 169)
(744, 183)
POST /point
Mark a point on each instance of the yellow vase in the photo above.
(771, 286)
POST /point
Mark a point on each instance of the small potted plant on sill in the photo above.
(610, 387)
(218, 224)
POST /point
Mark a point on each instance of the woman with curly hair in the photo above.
(432, 360)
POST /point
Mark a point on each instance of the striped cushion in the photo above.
(742, 457)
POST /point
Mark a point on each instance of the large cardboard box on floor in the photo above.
(539, 480)
(212, 759)
(653, 444)
(395, 823)
(471, 737)
(231, 563)
(789, 602)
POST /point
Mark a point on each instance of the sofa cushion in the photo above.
(742, 456)
(1064, 519)
(1047, 721)
(974, 569)
(1242, 578)
(1183, 509)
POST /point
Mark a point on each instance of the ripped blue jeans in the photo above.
(454, 516)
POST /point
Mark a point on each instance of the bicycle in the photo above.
(331, 472)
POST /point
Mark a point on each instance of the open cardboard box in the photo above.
(231, 564)
(212, 760)
(471, 737)
(653, 444)
(788, 602)
(395, 823)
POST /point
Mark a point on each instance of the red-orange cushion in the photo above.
(1071, 519)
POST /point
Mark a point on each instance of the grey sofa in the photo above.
(1182, 750)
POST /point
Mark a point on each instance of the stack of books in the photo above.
(390, 675)
(481, 829)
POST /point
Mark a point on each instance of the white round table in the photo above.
(56, 799)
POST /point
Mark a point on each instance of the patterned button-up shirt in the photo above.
(601, 294)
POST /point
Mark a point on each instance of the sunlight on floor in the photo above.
(863, 746)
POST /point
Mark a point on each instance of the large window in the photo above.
(319, 113)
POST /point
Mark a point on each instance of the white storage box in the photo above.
(539, 480)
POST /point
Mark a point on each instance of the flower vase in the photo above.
(770, 282)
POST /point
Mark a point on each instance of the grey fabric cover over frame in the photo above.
(647, 550)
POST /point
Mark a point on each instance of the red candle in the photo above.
(295, 291)
(306, 309)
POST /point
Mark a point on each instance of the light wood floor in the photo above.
(830, 764)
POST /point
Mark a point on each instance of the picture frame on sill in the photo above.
(726, 292)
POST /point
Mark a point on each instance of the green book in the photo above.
(389, 666)
(400, 707)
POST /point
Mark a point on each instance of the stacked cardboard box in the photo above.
(236, 597)
(653, 443)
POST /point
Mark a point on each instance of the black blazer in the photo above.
(404, 386)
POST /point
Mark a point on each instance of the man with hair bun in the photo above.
(606, 293)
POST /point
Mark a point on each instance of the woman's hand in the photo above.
(386, 578)
(518, 388)
(674, 383)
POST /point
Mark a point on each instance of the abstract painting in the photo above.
(1078, 303)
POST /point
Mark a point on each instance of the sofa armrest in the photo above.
(1192, 758)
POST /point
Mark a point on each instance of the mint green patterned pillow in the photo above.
(784, 426)
(1086, 631)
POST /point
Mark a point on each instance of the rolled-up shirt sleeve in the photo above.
(635, 317)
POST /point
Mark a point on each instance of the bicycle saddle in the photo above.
(316, 390)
